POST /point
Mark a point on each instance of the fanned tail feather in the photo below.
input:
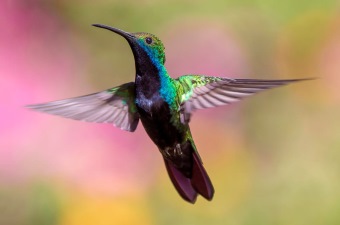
(189, 187)
(200, 179)
(182, 184)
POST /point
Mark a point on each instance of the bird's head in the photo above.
(147, 48)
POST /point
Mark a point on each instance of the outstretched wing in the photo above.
(115, 105)
(200, 92)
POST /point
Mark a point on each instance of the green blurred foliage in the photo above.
(34, 204)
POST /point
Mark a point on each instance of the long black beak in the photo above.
(122, 33)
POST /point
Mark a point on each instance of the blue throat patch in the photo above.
(168, 89)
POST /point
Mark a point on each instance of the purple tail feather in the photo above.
(190, 187)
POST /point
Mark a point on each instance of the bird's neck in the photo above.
(152, 78)
(167, 86)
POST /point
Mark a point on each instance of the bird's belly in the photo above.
(171, 140)
(157, 121)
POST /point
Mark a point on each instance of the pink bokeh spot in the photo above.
(212, 50)
(329, 63)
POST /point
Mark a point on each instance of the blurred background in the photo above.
(273, 158)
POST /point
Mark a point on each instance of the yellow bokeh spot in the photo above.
(85, 210)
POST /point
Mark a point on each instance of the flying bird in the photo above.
(164, 105)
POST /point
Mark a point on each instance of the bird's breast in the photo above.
(156, 117)
(149, 104)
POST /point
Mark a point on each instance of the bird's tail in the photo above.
(189, 187)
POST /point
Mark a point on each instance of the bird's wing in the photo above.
(115, 105)
(200, 92)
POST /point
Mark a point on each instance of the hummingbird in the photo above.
(164, 106)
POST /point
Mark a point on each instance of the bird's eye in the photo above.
(148, 40)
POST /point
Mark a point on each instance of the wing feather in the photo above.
(198, 92)
(116, 106)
